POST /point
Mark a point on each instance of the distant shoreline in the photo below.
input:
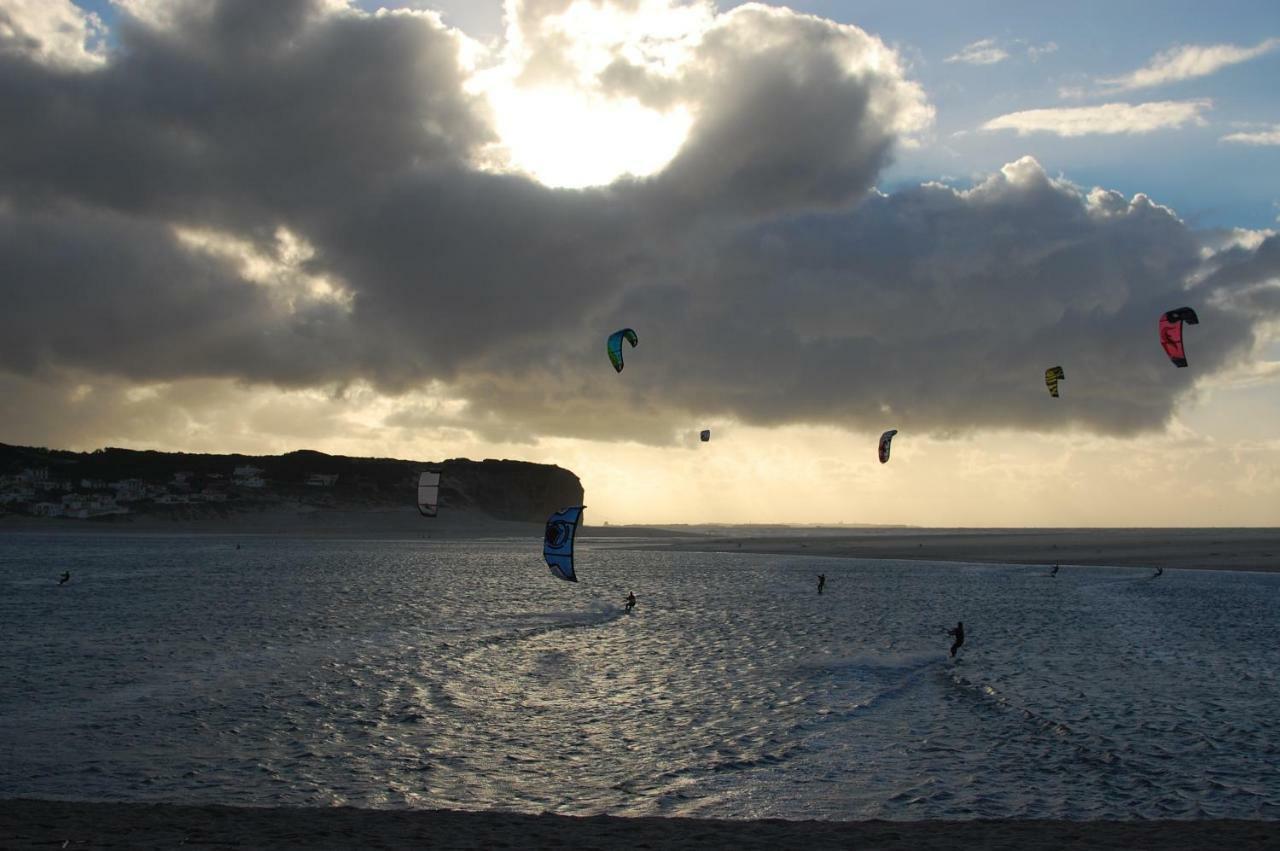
(1251, 549)
(1247, 549)
(54, 824)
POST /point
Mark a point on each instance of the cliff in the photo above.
(128, 484)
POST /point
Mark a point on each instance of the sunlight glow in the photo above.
(568, 139)
(559, 119)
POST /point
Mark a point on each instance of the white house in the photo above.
(130, 490)
(16, 493)
(47, 509)
(84, 506)
(248, 476)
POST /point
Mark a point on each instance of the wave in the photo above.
(1088, 747)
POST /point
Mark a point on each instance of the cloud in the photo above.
(1035, 51)
(988, 51)
(791, 111)
(984, 52)
(759, 96)
(1186, 62)
(303, 200)
(1107, 118)
(1270, 136)
(55, 33)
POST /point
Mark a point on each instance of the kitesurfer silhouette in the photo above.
(65, 578)
(958, 632)
(1159, 572)
(822, 582)
(631, 600)
(1054, 572)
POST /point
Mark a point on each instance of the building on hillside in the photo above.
(84, 506)
(322, 480)
(248, 476)
(11, 494)
(130, 490)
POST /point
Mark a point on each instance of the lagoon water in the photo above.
(461, 674)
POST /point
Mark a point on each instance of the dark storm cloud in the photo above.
(120, 296)
(240, 112)
(931, 309)
(764, 282)
(789, 114)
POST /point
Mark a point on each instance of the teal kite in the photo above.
(615, 346)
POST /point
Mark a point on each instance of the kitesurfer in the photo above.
(822, 582)
(631, 600)
(1159, 572)
(65, 578)
(958, 632)
(1054, 572)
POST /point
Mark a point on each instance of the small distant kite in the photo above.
(885, 440)
(429, 493)
(615, 346)
(557, 546)
(1171, 333)
(705, 435)
(1052, 376)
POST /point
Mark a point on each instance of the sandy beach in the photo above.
(1199, 549)
(59, 824)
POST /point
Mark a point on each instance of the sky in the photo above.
(406, 229)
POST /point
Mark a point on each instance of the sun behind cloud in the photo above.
(564, 138)
(556, 115)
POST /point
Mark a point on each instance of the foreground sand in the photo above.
(1204, 549)
(57, 824)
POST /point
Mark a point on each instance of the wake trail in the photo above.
(468, 656)
(886, 675)
(598, 614)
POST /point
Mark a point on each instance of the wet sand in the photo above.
(57, 824)
(1201, 549)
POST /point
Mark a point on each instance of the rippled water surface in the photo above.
(419, 674)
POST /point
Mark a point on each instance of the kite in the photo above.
(557, 547)
(705, 435)
(429, 493)
(615, 346)
(1171, 333)
(1052, 376)
(885, 440)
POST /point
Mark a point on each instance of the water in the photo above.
(422, 674)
